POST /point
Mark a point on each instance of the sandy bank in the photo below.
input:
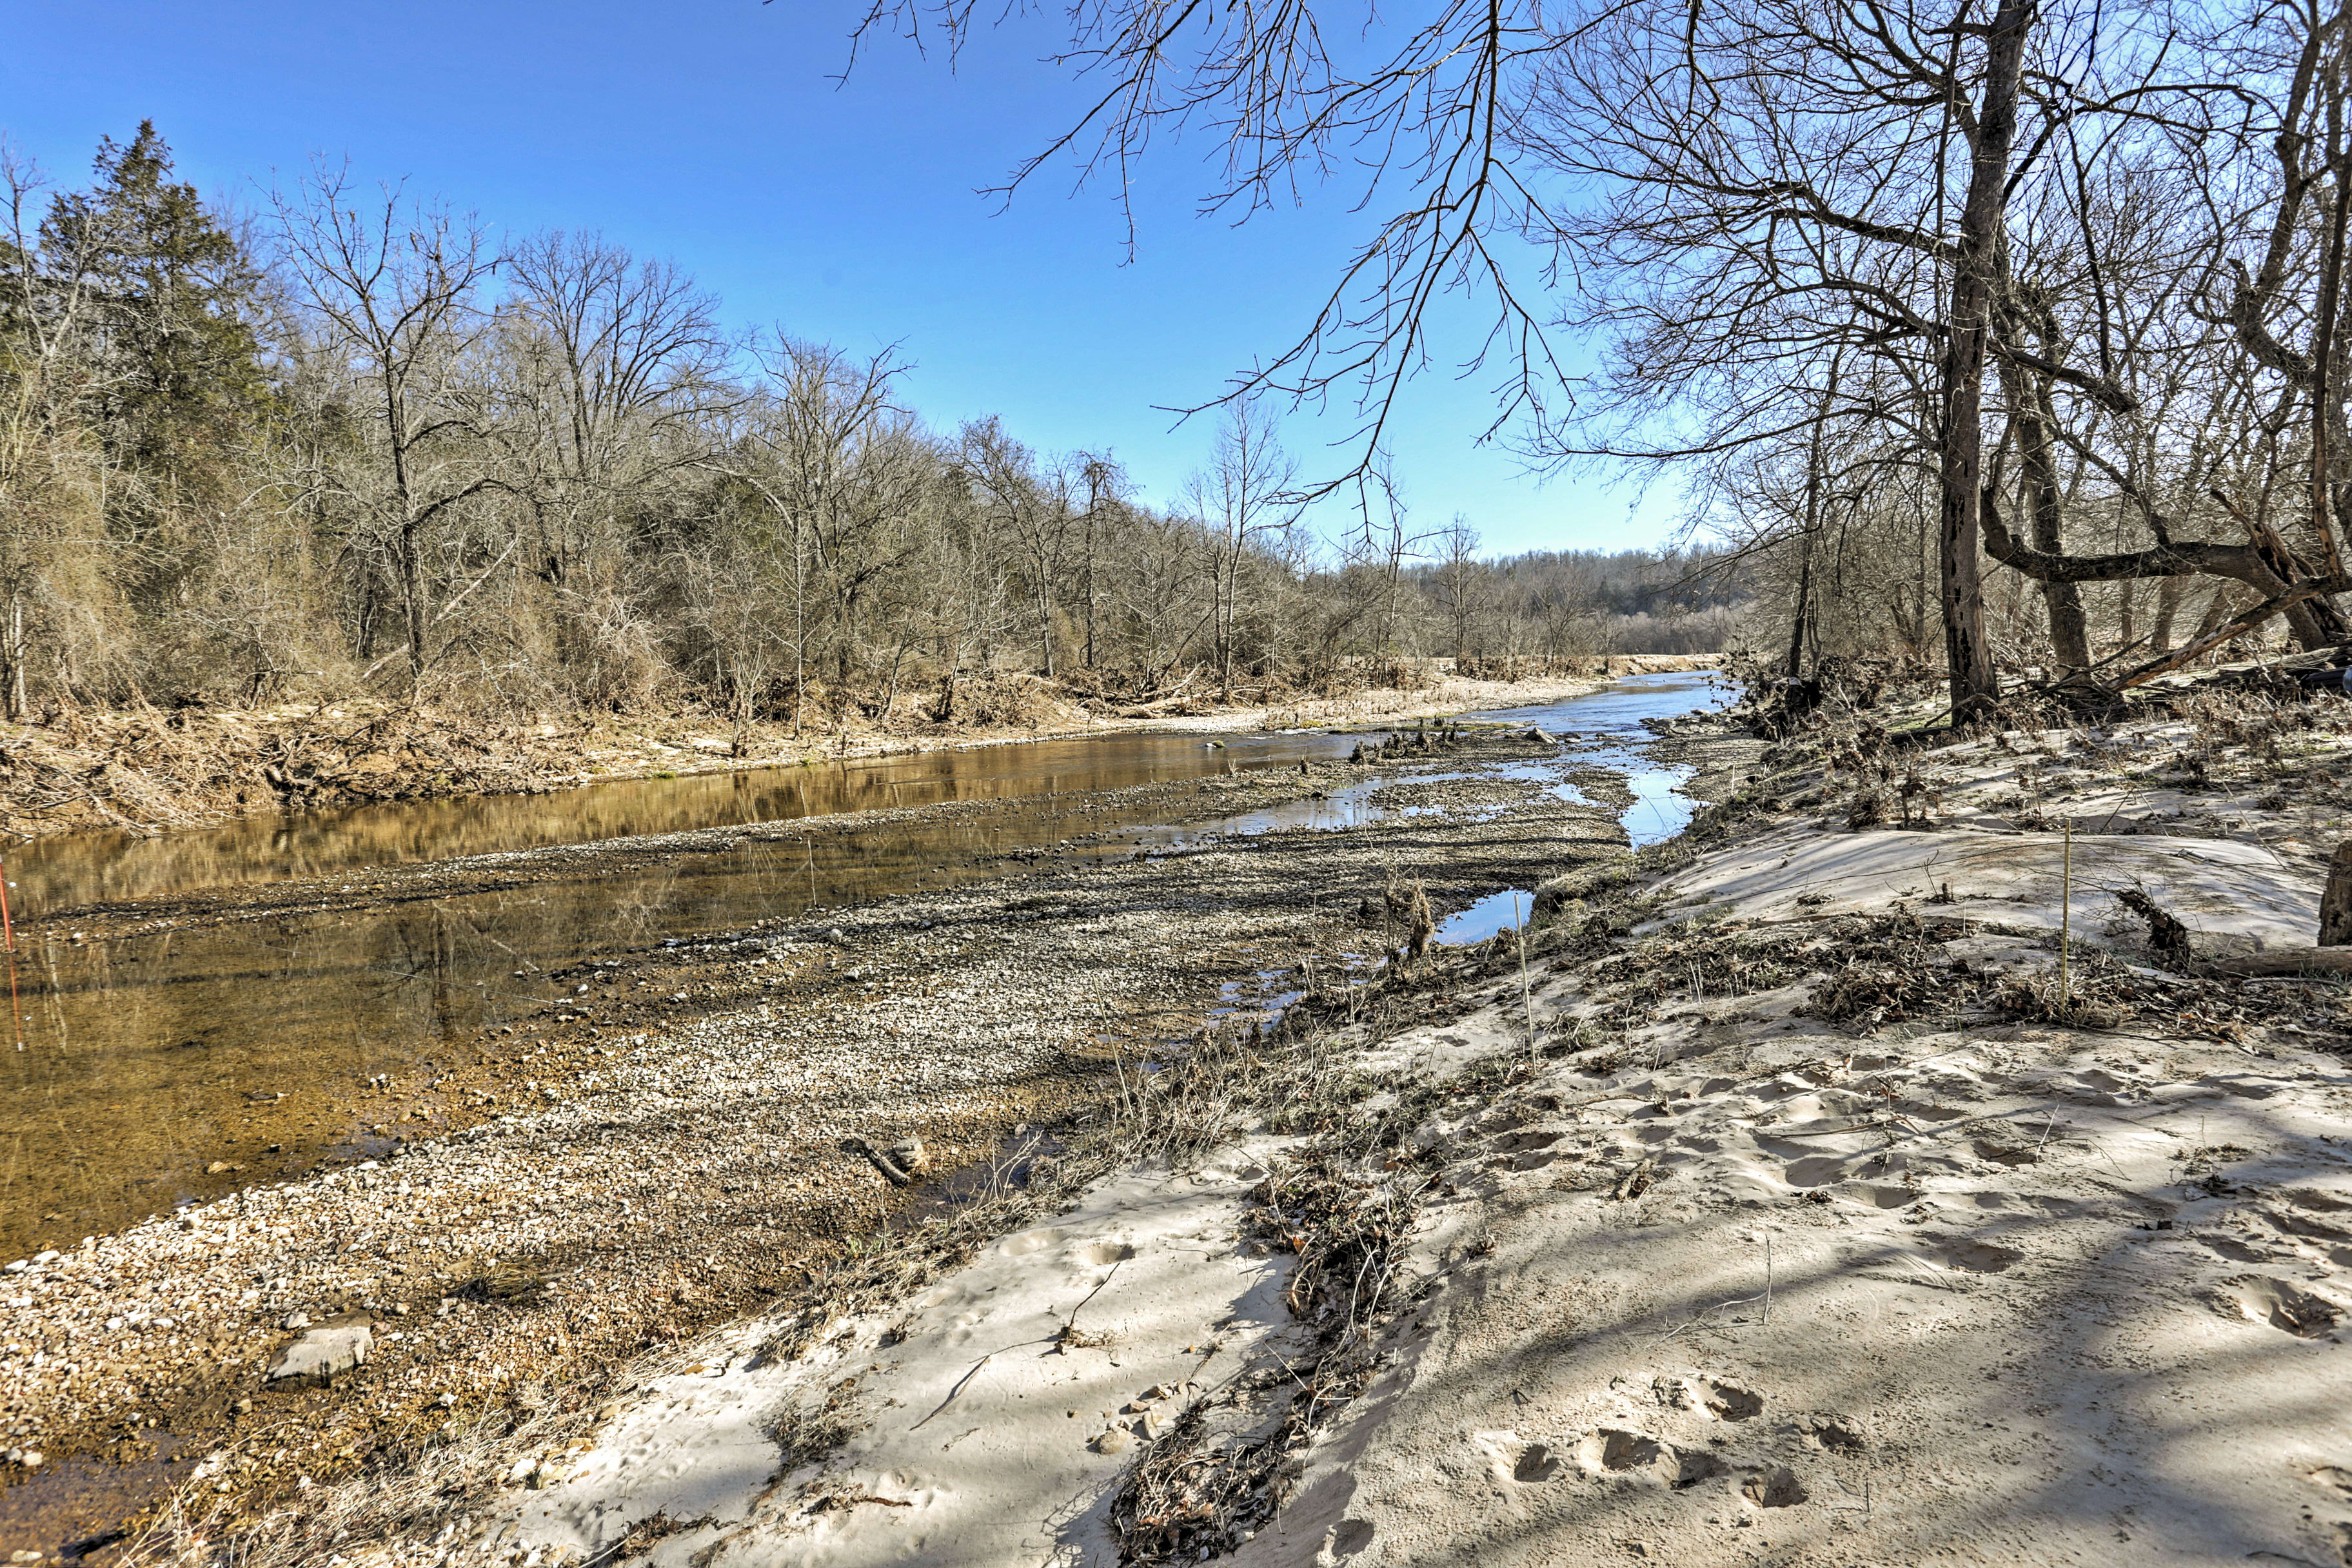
(1816, 1224)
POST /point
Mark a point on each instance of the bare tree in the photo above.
(1243, 495)
(396, 285)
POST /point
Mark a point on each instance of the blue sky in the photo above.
(714, 131)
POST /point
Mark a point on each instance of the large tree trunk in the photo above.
(2167, 605)
(1804, 603)
(411, 597)
(1975, 685)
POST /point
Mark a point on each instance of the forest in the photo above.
(2003, 342)
(353, 441)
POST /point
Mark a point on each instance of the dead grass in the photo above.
(1206, 1485)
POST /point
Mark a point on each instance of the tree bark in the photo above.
(2167, 605)
(1975, 684)
(2030, 405)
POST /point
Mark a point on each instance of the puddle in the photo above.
(84, 1489)
(1008, 1166)
(1255, 995)
(1605, 730)
(1495, 913)
(1659, 810)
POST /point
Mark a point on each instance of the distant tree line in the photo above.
(356, 441)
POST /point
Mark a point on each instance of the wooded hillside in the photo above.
(360, 443)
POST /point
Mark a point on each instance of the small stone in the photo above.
(322, 1352)
(33, 1459)
(1118, 1440)
(243, 1407)
(295, 1321)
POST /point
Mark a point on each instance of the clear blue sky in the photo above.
(713, 131)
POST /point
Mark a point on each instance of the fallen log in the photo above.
(2315, 962)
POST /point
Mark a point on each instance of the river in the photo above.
(162, 1068)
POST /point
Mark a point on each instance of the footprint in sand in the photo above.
(2319, 1220)
(1524, 1462)
(1618, 1451)
(1834, 1433)
(1775, 1487)
(1729, 1402)
(1692, 1466)
(1878, 1194)
(1103, 1254)
(1636, 1456)
(2238, 1252)
(1980, 1257)
(1022, 1243)
(1815, 1170)
(2261, 1299)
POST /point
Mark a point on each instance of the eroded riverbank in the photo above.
(638, 1172)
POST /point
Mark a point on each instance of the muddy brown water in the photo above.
(147, 1060)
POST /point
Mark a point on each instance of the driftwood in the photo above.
(1157, 706)
(2168, 937)
(2316, 962)
(900, 1164)
(2336, 904)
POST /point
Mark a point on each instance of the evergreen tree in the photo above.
(176, 362)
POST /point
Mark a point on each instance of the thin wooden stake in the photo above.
(2066, 916)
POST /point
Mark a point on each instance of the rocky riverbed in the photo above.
(659, 1145)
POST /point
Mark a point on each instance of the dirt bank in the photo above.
(1864, 1194)
(150, 771)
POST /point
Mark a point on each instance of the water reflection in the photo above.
(1490, 916)
(60, 874)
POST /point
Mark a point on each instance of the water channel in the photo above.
(143, 1057)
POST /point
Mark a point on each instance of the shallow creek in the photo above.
(160, 1068)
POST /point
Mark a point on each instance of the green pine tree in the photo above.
(174, 360)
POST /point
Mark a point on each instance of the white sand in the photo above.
(988, 1441)
(2008, 1295)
